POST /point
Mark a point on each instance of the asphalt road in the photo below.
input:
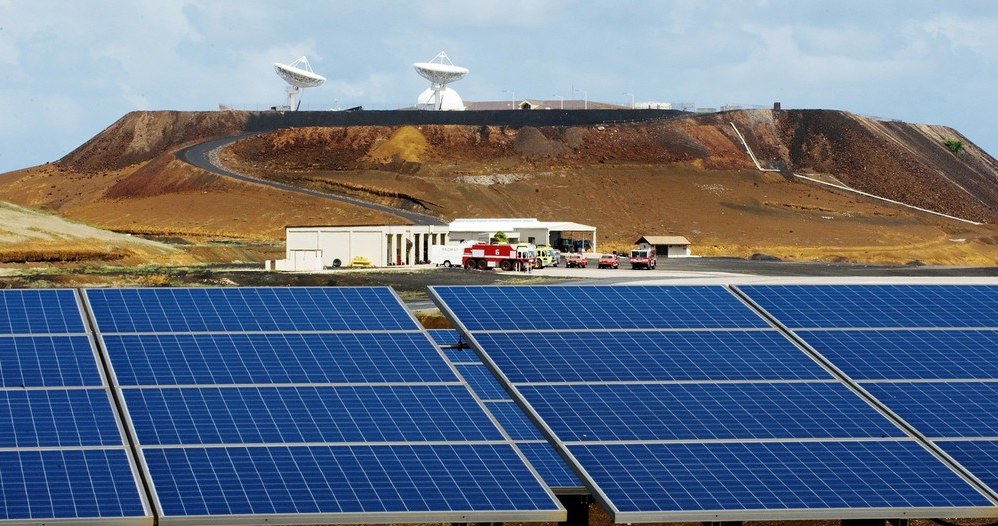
(199, 155)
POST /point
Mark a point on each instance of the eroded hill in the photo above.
(687, 175)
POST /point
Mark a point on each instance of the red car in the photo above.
(608, 261)
(576, 260)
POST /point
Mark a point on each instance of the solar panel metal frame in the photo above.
(105, 386)
(737, 515)
(557, 514)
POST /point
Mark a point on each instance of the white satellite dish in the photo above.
(298, 75)
(440, 71)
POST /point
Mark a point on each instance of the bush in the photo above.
(954, 145)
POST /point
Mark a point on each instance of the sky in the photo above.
(69, 69)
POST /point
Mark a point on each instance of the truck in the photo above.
(484, 256)
(642, 258)
(447, 255)
(545, 256)
(576, 260)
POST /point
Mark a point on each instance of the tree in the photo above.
(500, 237)
(954, 145)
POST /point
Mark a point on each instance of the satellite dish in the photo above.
(440, 71)
(298, 75)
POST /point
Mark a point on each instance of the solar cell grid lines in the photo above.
(657, 412)
(644, 478)
(909, 354)
(943, 409)
(285, 358)
(596, 307)
(247, 309)
(57, 418)
(40, 312)
(604, 356)
(878, 306)
(48, 361)
(269, 415)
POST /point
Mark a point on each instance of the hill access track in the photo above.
(205, 156)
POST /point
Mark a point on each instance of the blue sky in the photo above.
(68, 69)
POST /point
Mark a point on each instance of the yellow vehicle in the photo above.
(545, 256)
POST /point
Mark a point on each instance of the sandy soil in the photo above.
(687, 176)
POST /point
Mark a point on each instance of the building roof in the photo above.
(509, 224)
(538, 104)
(662, 240)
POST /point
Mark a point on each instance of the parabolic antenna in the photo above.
(298, 75)
(440, 71)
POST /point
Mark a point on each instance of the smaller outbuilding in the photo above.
(666, 246)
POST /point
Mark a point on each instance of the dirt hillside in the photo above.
(689, 176)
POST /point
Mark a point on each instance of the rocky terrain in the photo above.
(688, 175)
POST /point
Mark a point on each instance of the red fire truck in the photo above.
(643, 258)
(484, 256)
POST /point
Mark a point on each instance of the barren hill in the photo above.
(687, 175)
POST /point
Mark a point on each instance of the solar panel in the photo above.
(878, 306)
(274, 358)
(576, 356)
(909, 354)
(596, 307)
(655, 412)
(247, 309)
(690, 479)
(331, 407)
(47, 361)
(482, 382)
(688, 411)
(444, 336)
(550, 465)
(62, 455)
(52, 311)
(512, 419)
(321, 414)
(943, 409)
(980, 457)
(352, 483)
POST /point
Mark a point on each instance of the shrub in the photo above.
(954, 145)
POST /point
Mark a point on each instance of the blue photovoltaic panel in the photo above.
(465, 356)
(980, 457)
(878, 306)
(444, 336)
(773, 476)
(343, 479)
(67, 484)
(516, 423)
(47, 361)
(943, 409)
(549, 464)
(648, 355)
(615, 412)
(258, 415)
(901, 355)
(597, 307)
(56, 418)
(482, 382)
(39, 312)
(248, 309)
(275, 358)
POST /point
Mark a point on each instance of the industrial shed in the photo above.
(562, 235)
(667, 246)
(319, 247)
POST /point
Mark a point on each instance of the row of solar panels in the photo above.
(325, 405)
(754, 402)
(249, 405)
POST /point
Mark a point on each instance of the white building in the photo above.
(312, 248)
(667, 246)
(562, 235)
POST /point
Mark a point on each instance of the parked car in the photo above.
(576, 260)
(608, 261)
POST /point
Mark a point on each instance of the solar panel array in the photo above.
(682, 403)
(62, 451)
(318, 405)
(510, 416)
(929, 353)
